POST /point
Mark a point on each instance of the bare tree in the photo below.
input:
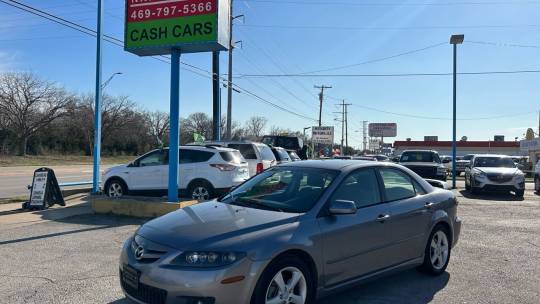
(29, 104)
(158, 124)
(255, 126)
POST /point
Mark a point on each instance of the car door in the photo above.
(354, 245)
(147, 173)
(410, 210)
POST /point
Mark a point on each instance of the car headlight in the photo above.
(479, 174)
(207, 258)
(441, 170)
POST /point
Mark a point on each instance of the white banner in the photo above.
(322, 135)
(38, 188)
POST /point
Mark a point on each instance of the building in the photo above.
(531, 148)
(463, 147)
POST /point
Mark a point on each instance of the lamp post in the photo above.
(455, 40)
(97, 107)
(106, 83)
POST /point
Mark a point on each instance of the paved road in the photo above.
(53, 257)
(13, 180)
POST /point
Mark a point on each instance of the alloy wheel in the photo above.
(439, 250)
(115, 190)
(200, 193)
(289, 286)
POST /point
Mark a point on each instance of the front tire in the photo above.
(287, 280)
(520, 193)
(116, 188)
(437, 252)
(537, 185)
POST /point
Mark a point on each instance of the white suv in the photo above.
(494, 172)
(258, 155)
(204, 173)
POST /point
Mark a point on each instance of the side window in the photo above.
(419, 189)
(192, 156)
(361, 187)
(245, 149)
(397, 185)
(266, 153)
(153, 159)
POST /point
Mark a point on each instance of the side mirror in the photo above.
(342, 207)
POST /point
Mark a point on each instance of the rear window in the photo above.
(247, 150)
(423, 157)
(283, 155)
(194, 156)
(232, 157)
(266, 153)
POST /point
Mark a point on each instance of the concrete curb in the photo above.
(136, 207)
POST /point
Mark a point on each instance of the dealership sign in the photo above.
(322, 135)
(382, 130)
(530, 145)
(155, 27)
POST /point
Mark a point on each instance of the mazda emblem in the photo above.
(139, 253)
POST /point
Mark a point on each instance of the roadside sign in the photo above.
(530, 145)
(155, 27)
(322, 135)
(431, 138)
(45, 190)
(382, 130)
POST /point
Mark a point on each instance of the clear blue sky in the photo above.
(292, 36)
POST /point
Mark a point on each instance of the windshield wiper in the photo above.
(248, 201)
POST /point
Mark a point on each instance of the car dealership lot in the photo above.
(74, 259)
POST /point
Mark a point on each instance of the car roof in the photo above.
(430, 151)
(492, 155)
(205, 148)
(334, 164)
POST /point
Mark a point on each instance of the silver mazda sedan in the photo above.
(291, 234)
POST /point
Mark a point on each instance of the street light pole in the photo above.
(455, 40)
(97, 107)
(106, 83)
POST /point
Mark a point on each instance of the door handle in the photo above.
(383, 217)
(429, 205)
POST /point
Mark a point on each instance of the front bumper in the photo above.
(485, 184)
(164, 284)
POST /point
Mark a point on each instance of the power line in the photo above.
(393, 3)
(387, 75)
(378, 59)
(405, 28)
(118, 42)
(503, 44)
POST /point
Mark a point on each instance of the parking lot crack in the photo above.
(28, 277)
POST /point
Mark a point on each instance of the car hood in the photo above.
(420, 164)
(489, 170)
(116, 168)
(210, 223)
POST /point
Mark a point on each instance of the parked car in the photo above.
(380, 157)
(462, 163)
(291, 234)
(281, 155)
(446, 160)
(293, 155)
(396, 159)
(366, 158)
(425, 163)
(537, 178)
(342, 157)
(204, 173)
(258, 155)
(494, 173)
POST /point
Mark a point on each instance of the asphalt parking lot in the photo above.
(74, 259)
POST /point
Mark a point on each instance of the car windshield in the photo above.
(468, 157)
(494, 162)
(292, 190)
(422, 157)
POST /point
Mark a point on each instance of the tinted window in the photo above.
(468, 157)
(397, 185)
(266, 153)
(193, 156)
(419, 189)
(156, 158)
(420, 156)
(293, 190)
(232, 157)
(247, 150)
(281, 155)
(360, 187)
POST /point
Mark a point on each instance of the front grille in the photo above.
(500, 178)
(149, 253)
(423, 171)
(145, 293)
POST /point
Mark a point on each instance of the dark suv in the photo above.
(425, 163)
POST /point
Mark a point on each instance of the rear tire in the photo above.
(437, 252)
(201, 191)
(467, 185)
(537, 185)
(285, 269)
(520, 193)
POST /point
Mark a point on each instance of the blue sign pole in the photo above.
(174, 126)
(454, 143)
(97, 106)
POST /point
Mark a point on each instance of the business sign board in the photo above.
(530, 145)
(45, 190)
(431, 138)
(322, 135)
(498, 138)
(155, 27)
(382, 130)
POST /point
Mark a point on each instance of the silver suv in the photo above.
(258, 155)
(494, 173)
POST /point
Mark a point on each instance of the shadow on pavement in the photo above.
(492, 196)
(407, 287)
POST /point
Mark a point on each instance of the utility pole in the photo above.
(97, 107)
(321, 99)
(229, 80)
(344, 127)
